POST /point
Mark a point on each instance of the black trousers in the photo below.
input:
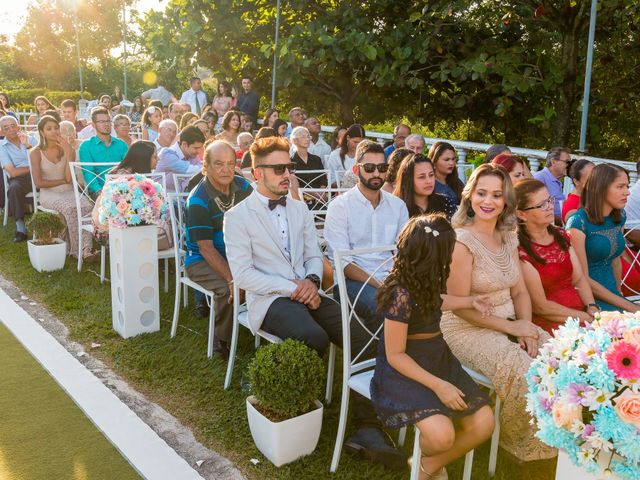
(17, 190)
(287, 318)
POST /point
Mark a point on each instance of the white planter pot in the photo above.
(133, 255)
(285, 441)
(47, 258)
(566, 470)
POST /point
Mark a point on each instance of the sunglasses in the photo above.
(372, 167)
(279, 168)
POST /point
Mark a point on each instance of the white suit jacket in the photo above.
(257, 260)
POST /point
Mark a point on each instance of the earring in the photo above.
(470, 212)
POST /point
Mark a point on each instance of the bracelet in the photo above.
(594, 305)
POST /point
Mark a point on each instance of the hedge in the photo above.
(24, 97)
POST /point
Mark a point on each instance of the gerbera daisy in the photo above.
(624, 359)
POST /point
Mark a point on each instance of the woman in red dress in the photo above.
(552, 272)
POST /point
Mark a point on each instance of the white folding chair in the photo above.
(168, 253)
(181, 180)
(322, 197)
(6, 196)
(36, 195)
(79, 172)
(177, 202)
(240, 315)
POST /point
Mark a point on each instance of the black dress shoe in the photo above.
(375, 445)
(221, 348)
(201, 310)
(20, 237)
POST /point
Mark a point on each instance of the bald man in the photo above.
(206, 260)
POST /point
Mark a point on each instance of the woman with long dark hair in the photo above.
(270, 116)
(417, 380)
(230, 128)
(221, 103)
(41, 104)
(280, 126)
(579, 171)
(394, 161)
(443, 157)
(135, 114)
(415, 184)
(596, 231)
(551, 269)
(343, 159)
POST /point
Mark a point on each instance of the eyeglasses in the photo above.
(221, 166)
(103, 121)
(549, 202)
(279, 168)
(372, 167)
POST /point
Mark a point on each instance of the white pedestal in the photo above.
(133, 255)
(566, 470)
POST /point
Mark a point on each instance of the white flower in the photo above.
(594, 398)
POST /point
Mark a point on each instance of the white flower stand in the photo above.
(566, 470)
(134, 280)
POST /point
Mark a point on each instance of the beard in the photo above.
(373, 183)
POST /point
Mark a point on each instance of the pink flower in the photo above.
(148, 188)
(632, 335)
(564, 414)
(624, 359)
(627, 406)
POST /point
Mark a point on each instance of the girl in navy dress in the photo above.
(417, 379)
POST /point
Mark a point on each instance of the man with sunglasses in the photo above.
(552, 175)
(273, 252)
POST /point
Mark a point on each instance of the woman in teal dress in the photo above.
(596, 234)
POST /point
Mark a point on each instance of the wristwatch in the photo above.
(594, 305)
(314, 278)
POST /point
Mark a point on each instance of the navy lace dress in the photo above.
(401, 401)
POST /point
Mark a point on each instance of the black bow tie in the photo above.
(274, 203)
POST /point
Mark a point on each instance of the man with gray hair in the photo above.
(415, 142)
(400, 134)
(167, 133)
(14, 159)
(296, 119)
(552, 175)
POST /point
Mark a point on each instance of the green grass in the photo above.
(177, 375)
(45, 435)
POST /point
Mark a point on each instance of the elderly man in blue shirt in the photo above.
(14, 159)
(552, 175)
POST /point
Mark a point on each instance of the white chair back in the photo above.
(181, 180)
(307, 178)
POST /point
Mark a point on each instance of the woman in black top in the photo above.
(415, 184)
(417, 380)
(304, 160)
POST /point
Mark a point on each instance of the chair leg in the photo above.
(185, 294)
(232, 350)
(212, 324)
(416, 457)
(257, 341)
(468, 465)
(6, 212)
(330, 370)
(166, 275)
(495, 438)
(80, 249)
(103, 255)
(176, 309)
(342, 427)
(402, 436)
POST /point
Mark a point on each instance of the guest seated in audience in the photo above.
(365, 217)
(204, 128)
(552, 176)
(280, 126)
(175, 111)
(245, 139)
(512, 164)
(494, 150)
(501, 345)
(264, 132)
(579, 171)
(189, 118)
(336, 140)
(415, 185)
(151, 119)
(212, 120)
(417, 380)
(230, 128)
(596, 234)
(415, 142)
(52, 177)
(206, 260)
(167, 133)
(304, 160)
(181, 157)
(275, 257)
(5, 103)
(122, 126)
(41, 104)
(135, 114)
(69, 134)
(342, 160)
(101, 148)
(443, 157)
(296, 119)
(394, 160)
(552, 272)
(400, 134)
(70, 114)
(317, 146)
(246, 123)
(270, 116)
(14, 160)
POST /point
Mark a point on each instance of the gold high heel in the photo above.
(441, 475)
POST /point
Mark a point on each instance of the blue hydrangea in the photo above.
(609, 425)
(625, 470)
(567, 374)
(599, 375)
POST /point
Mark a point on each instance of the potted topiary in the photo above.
(47, 252)
(285, 416)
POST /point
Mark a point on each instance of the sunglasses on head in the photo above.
(371, 167)
(279, 168)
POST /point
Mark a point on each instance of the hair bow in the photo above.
(432, 231)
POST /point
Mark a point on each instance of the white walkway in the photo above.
(151, 457)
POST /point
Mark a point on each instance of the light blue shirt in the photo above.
(172, 160)
(554, 186)
(95, 150)
(12, 155)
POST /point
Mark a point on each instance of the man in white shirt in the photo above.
(159, 93)
(272, 248)
(366, 217)
(195, 96)
(167, 133)
(317, 146)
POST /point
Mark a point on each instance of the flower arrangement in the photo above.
(584, 393)
(132, 200)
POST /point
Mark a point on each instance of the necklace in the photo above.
(225, 206)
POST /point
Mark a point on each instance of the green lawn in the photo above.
(177, 375)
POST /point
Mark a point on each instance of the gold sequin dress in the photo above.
(491, 352)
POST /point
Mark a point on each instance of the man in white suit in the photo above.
(273, 252)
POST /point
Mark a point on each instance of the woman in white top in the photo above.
(342, 159)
